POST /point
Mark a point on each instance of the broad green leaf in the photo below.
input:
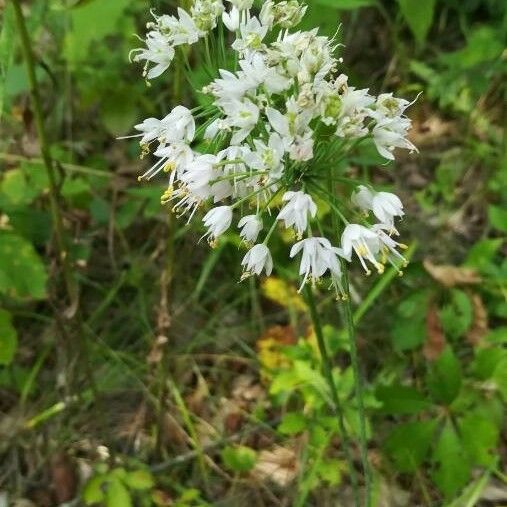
(8, 338)
(409, 443)
(444, 377)
(479, 437)
(456, 316)
(292, 423)
(483, 253)
(498, 217)
(500, 377)
(117, 495)
(139, 479)
(239, 459)
(486, 360)
(22, 273)
(419, 16)
(93, 492)
(119, 113)
(14, 187)
(398, 399)
(453, 467)
(91, 22)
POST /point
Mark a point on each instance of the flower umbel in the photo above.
(264, 149)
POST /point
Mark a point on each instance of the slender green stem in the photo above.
(328, 375)
(358, 383)
(45, 152)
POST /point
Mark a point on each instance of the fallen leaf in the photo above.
(450, 276)
(279, 466)
(63, 477)
(268, 348)
(282, 293)
(480, 326)
(435, 338)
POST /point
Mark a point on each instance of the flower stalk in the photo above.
(327, 371)
(56, 214)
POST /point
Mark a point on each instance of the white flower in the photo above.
(159, 51)
(258, 258)
(385, 205)
(302, 148)
(178, 125)
(388, 106)
(268, 157)
(255, 70)
(151, 129)
(252, 33)
(205, 13)
(318, 257)
(217, 220)
(250, 226)
(389, 246)
(364, 242)
(243, 115)
(231, 19)
(198, 174)
(181, 30)
(296, 210)
(389, 134)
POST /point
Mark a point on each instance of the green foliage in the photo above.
(22, 273)
(239, 459)
(419, 15)
(8, 338)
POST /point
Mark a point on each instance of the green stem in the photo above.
(358, 383)
(328, 375)
(56, 215)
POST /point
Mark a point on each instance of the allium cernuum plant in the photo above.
(264, 149)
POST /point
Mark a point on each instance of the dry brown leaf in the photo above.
(63, 477)
(451, 275)
(435, 338)
(480, 326)
(279, 466)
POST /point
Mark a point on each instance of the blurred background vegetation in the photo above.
(158, 379)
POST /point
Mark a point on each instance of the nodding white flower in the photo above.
(256, 70)
(389, 134)
(205, 13)
(159, 50)
(151, 129)
(178, 125)
(252, 33)
(231, 19)
(181, 30)
(250, 226)
(388, 106)
(267, 157)
(318, 257)
(364, 242)
(385, 205)
(388, 246)
(242, 114)
(198, 174)
(217, 220)
(296, 210)
(302, 148)
(258, 258)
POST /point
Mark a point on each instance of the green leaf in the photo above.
(7, 38)
(498, 217)
(456, 316)
(8, 338)
(419, 16)
(117, 495)
(139, 479)
(453, 467)
(444, 377)
(409, 443)
(91, 22)
(398, 399)
(14, 187)
(346, 5)
(22, 273)
(408, 329)
(119, 112)
(500, 377)
(292, 423)
(482, 254)
(486, 360)
(479, 438)
(239, 459)
(93, 492)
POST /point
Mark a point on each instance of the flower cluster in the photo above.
(280, 122)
